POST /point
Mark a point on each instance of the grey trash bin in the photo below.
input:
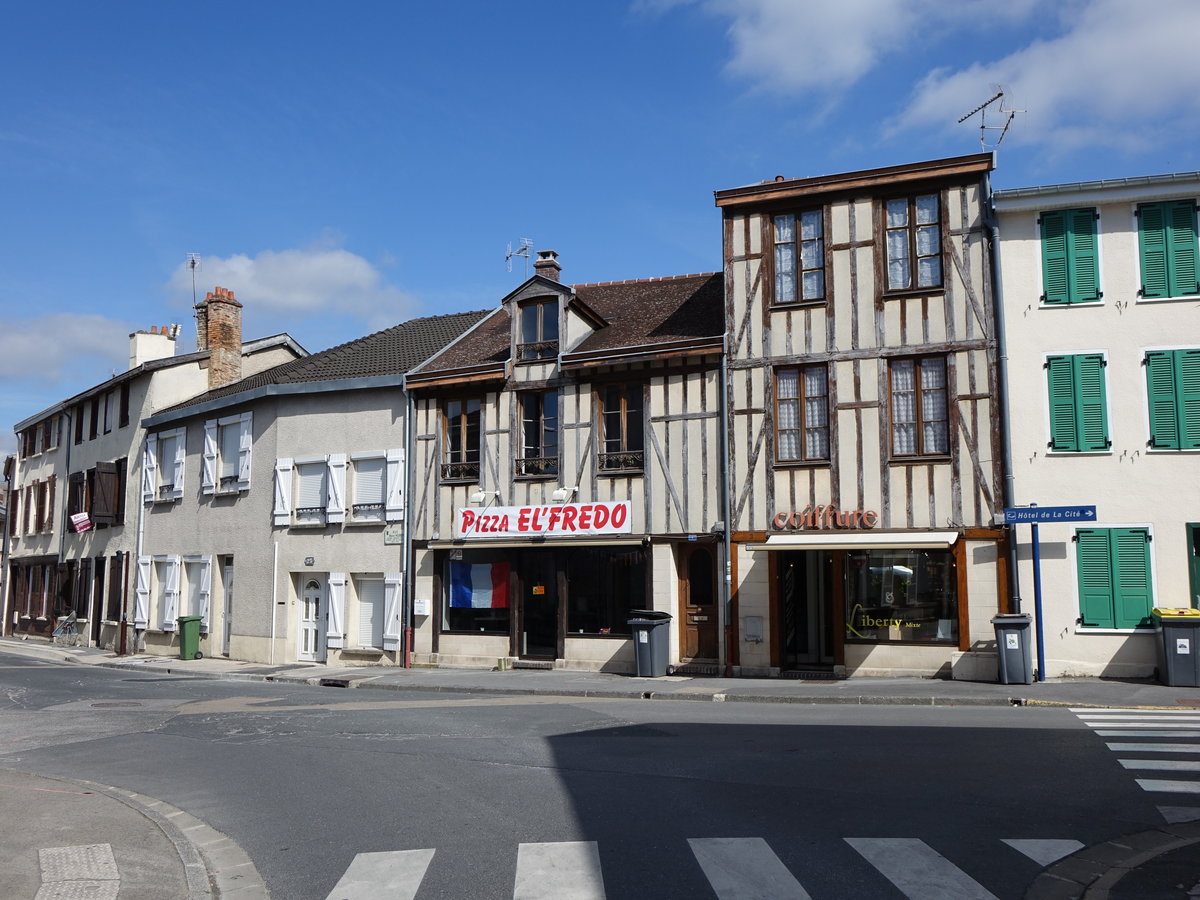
(1178, 646)
(1012, 647)
(651, 641)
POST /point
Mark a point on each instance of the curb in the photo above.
(1093, 872)
(215, 866)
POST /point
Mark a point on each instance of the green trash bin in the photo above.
(189, 637)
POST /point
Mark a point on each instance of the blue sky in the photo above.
(343, 167)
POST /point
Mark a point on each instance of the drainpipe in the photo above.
(406, 580)
(139, 552)
(64, 494)
(1009, 490)
(10, 466)
(727, 580)
(274, 597)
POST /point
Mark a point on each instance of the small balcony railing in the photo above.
(536, 466)
(625, 461)
(460, 471)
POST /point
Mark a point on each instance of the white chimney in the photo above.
(155, 344)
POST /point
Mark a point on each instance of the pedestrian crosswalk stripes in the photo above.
(741, 868)
(1179, 728)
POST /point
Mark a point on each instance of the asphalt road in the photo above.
(848, 801)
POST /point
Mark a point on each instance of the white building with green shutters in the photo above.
(1101, 312)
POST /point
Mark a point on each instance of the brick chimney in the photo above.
(547, 265)
(219, 331)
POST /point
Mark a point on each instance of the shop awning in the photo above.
(864, 540)
(533, 544)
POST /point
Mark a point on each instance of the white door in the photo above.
(310, 647)
(227, 617)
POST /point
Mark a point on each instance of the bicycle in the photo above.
(65, 631)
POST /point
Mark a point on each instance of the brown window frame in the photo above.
(533, 419)
(919, 421)
(802, 427)
(619, 455)
(798, 269)
(123, 409)
(543, 346)
(463, 464)
(913, 258)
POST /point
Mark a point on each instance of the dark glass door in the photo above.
(539, 605)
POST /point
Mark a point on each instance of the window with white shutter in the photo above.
(369, 477)
(163, 465)
(310, 493)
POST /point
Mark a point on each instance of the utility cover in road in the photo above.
(1015, 515)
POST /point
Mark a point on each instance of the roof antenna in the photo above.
(526, 246)
(193, 263)
(1006, 113)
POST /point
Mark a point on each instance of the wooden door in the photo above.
(699, 632)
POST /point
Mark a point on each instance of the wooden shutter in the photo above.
(336, 610)
(13, 512)
(1084, 271)
(1187, 389)
(1152, 242)
(204, 592)
(141, 605)
(1160, 389)
(1133, 593)
(1061, 377)
(51, 483)
(335, 501)
(150, 468)
(245, 447)
(170, 593)
(1091, 401)
(1181, 248)
(391, 611)
(283, 491)
(394, 486)
(180, 462)
(104, 502)
(1094, 563)
(208, 463)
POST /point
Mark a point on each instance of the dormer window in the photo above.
(538, 338)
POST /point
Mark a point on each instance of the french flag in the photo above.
(479, 587)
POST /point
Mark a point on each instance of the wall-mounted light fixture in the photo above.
(482, 496)
(562, 494)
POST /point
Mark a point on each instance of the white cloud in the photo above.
(60, 346)
(1116, 74)
(278, 287)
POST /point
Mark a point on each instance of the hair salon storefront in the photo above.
(539, 584)
(844, 597)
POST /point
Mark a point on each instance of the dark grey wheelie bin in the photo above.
(1177, 639)
(651, 641)
(1012, 647)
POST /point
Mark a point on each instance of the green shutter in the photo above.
(1134, 596)
(1054, 258)
(1160, 390)
(1091, 402)
(1063, 433)
(1187, 384)
(1084, 261)
(1094, 562)
(1181, 248)
(1152, 240)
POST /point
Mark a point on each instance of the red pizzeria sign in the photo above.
(558, 520)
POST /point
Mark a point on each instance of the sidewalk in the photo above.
(1093, 692)
(1152, 863)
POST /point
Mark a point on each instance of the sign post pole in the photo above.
(1037, 602)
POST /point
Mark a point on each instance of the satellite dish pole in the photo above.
(1006, 114)
(526, 246)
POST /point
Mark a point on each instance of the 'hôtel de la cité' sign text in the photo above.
(825, 517)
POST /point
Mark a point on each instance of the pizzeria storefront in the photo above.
(845, 597)
(539, 584)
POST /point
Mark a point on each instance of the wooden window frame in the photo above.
(541, 464)
(910, 229)
(462, 465)
(625, 459)
(123, 408)
(543, 347)
(802, 427)
(798, 268)
(921, 454)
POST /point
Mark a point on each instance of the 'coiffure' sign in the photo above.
(558, 520)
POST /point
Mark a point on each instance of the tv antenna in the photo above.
(193, 263)
(526, 246)
(1005, 113)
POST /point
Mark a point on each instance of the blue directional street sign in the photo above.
(1017, 515)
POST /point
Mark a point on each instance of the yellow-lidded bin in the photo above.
(1178, 645)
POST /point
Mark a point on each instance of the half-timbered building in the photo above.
(566, 471)
(863, 462)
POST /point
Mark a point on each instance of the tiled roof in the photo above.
(639, 313)
(392, 351)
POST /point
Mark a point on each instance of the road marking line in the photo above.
(1150, 733)
(745, 869)
(1176, 815)
(1169, 787)
(1044, 852)
(919, 871)
(1148, 723)
(1154, 748)
(1092, 712)
(1166, 765)
(564, 870)
(395, 874)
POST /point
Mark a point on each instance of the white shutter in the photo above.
(370, 612)
(170, 594)
(336, 608)
(208, 469)
(394, 504)
(141, 604)
(149, 468)
(391, 611)
(283, 491)
(335, 504)
(245, 443)
(204, 595)
(180, 460)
